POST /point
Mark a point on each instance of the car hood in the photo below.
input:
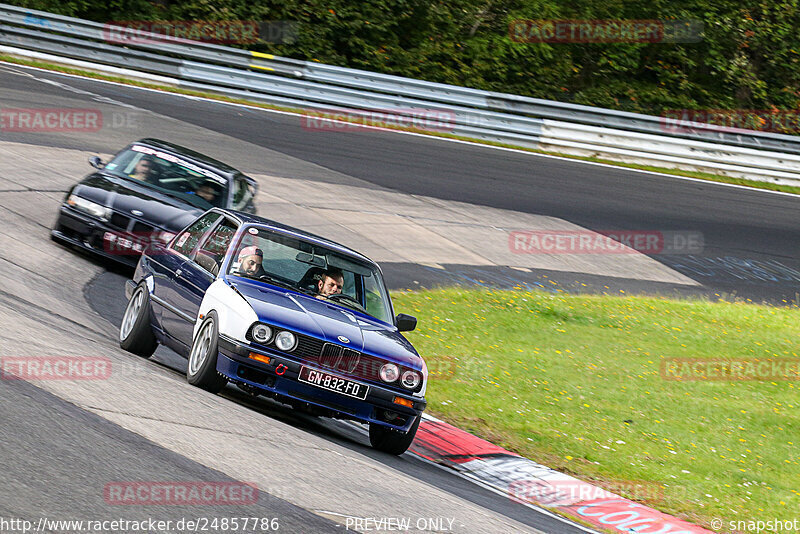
(124, 196)
(327, 321)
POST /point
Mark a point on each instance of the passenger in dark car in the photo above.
(208, 192)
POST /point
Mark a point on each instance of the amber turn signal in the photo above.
(403, 402)
(259, 357)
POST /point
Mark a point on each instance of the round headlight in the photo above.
(389, 372)
(262, 333)
(410, 379)
(286, 341)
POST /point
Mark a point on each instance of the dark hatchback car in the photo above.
(245, 300)
(148, 192)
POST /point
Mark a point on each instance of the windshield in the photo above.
(309, 268)
(171, 175)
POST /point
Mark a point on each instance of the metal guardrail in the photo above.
(159, 44)
(475, 113)
(545, 109)
(88, 50)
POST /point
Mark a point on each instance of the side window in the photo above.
(186, 242)
(212, 250)
(349, 284)
(242, 193)
(374, 301)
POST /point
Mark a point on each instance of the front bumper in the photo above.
(87, 234)
(237, 367)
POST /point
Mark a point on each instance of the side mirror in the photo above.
(96, 162)
(405, 323)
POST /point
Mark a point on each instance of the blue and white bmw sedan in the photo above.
(282, 313)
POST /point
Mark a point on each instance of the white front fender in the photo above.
(235, 315)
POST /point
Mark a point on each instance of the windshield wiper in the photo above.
(271, 280)
(274, 281)
(348, 301)
(173, 194)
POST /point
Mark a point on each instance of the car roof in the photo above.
(249, 218)
(187, 153)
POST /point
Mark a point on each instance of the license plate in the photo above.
(333, 383)
(116, 242)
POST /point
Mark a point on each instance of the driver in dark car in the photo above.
(145, 170)
(330, 283)
(250, 262)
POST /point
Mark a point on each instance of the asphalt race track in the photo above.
(748, 235)
(65, 441)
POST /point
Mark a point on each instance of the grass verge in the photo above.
(579, 383)
(167, 88)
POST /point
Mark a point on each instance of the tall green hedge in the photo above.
(747, 58)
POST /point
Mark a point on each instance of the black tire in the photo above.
(391, 441)
(202, 368)
(135, 333)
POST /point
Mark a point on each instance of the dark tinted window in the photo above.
(242, 193)
(215, 245)
(186, 242)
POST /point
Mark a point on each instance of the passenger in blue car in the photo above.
(331, 283)
(250, 262)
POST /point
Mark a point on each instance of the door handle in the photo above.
(178, 272)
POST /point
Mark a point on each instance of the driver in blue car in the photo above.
(330, 283)
(250, 262)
